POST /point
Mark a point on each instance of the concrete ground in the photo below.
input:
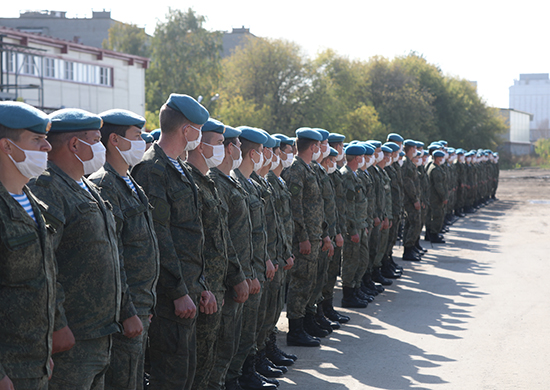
(474, 314)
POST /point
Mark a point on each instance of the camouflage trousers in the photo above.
(30, 383)
(435, 219)
(125, 371)
(413, 226)
(249, 334)
(300, 289)
(227, 342)
(393, 233)
(82, 367)
(319, 282)
(271, 300)
(333, 272)
(354, 259)
(374, 243)
(383, 237)
(173, 352)
(208, 326)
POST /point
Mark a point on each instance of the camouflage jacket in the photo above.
(236, 216)
(329, 199)
(27, 290)
(438, 185)
(370, 185)
(424, 185)
(352, 187)
(178, 225)
(258, 221)
(137, 241)
(307, 202)
(394, 173)
(282, 197)
(85, 244)
(411, 183)
(387, 193)
(340, 198)
(378, 189)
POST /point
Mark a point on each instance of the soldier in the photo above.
(412, 204)
(438, 197)
(149, 139)
(27, 265)
(309, 225)
(169, 184)
(137, 243)
(88, 266)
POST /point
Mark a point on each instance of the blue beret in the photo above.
(325, 134)
(333, 152)
(335, 137)
(355, 150)
(392, 145)
(189, 107)
(354, 142)
(231, 132)
(442, 142)
(122, 117)
(460, 151)
(369, 149)
(271, 142)
(451, 150)
(147, 137)
(307, 133)
(419, 144)
(401, 154)
(74, 119)
(419, 153)
(375, 143)
(386, 149)
(253, 135)
(439, 153)
(213, 125)
(18, 115)
(426, 153)
(284, 140)
(395, 137)
(346, 145)
(434, 146)
(156, 134)
(410, 142)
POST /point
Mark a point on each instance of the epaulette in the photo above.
(44, 180)
(159, 168)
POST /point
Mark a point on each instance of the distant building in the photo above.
(517, 138)
(531, 93)
(237, 37)
(52, 73)
(87, 31)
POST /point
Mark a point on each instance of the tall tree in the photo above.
(127, 38)
(185, 58)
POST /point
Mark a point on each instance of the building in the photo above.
(531, 93)
(52, 73)
(86, 31)
(237, 37)
(517, 138)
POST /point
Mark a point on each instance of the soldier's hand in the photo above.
(184, 307)
(327, 246)
(366, 230)
(62, 340)
(305, 247)
(376, 221)
(355, 238)
(6, 384)
(417, 205)
(270, 270)
(150, 317)
(132, 327)
(289, 263)
(445, 202)
(241, 292)
(339, 240)
(254, 286)
(391, 224)
(51, 368)
(208, 304)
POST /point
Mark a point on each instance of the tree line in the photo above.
(272, 84)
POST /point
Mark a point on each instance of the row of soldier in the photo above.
(192, 246)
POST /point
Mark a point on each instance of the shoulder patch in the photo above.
(44, 180)
(161, 210)
(295, 189)
(158, 168)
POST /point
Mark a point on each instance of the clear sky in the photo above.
(490, 42)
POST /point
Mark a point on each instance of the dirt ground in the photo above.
(474, 314)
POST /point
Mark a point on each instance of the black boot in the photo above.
(395, 266)
(377, 277)
(332, 314)
(369, 291)
(419, 247)
(313, 328)
(436, 238)
(297, 336)
(263, 366)
(323, 321)
(274, 354)
(410, 255)
(233, 385)
(388, 271)
(369, 287)
(363, 296)
(350, 299)
(250, 379)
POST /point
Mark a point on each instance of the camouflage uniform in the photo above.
(88, 272)
(309, 225)
(178, 226)
(438, 194)
(424, 194)
(394, 172)
(379, 210)
(27, 274)
(384, 234)
(139, 257)
(411, 189)
(235, 214)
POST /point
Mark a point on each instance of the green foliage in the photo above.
(542, 149)
(185, 58)
(127, 38)
(152, 118)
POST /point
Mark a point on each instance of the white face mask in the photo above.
(218, 153)
(133, 155)
(340, 156)
(418, 162)
(192, 145)
(34, 164)
(275, 162)
(97, 160)
(259, 164)
(288, 162)
(361, 164)
(400, 162)
(379, 156)
(369, 161)
(331, 168)
(267, 161)
(237, 162)
(326, 152)
(316, 155)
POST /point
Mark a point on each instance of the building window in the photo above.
(28, 64)
(104, 76)
(69, 70)
(50, 67)
(11, 62)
